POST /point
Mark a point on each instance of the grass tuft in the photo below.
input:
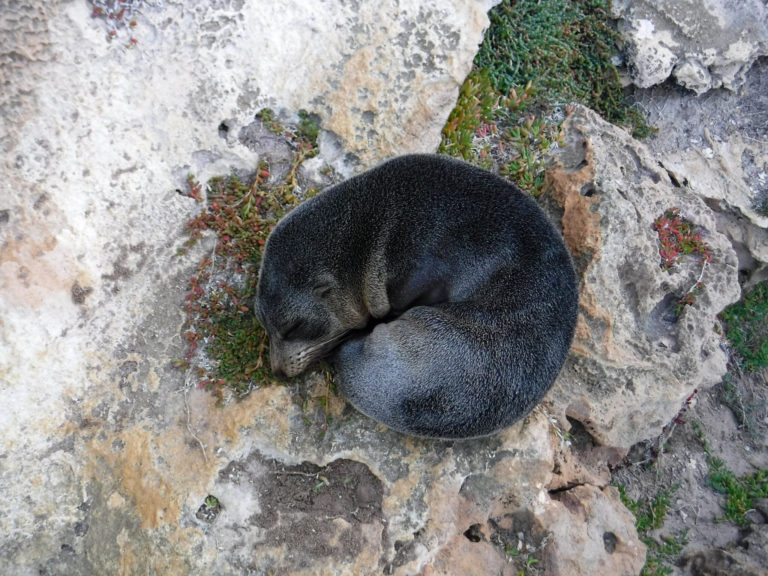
(536, 58)
(226, 347)
(746, 327)
(740, 491)
(661, 554)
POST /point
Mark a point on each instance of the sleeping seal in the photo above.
(443, 295)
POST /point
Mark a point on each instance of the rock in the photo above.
(634, 361)
(111, 459)
(592, 533)
(717, 175)
(716, 147)
(745, 558)
(761, 505)
(703, 45)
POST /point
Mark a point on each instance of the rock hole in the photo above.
(661, 326)
(579, 435)
(80, 293)
(473, 533)
(209, 509)
(609, 541)
(672, 177)
(223, 129)
(588, 190)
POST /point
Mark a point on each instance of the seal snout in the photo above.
(278, 369)
(278, 373)
(276, 362)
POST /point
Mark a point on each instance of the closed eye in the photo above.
(291, 331)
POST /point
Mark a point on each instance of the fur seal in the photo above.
(443, 295)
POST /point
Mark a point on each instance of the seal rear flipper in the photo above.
(428, 373)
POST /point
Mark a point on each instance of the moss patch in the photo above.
(535, 60)
(746, 327)
(227, 349)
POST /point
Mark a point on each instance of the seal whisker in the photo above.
(322, 348)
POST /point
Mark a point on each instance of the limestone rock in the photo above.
(716, 147)
(717, 174)
(593, 534)
(634, 360)
(733, 561)
(704, 45)
(110, 459)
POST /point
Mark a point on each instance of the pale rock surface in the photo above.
(716, 174)
(703, 44)
(633, 363)
(717, 147)
(107, 456)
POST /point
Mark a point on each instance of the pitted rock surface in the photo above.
(702, 45)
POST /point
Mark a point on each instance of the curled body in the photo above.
(442, 294)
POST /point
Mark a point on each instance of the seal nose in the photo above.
(276, 365)
(278, 373)
(275, 360)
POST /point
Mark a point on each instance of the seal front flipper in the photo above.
(449, 371)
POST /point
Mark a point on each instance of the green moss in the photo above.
(661, 554)
(740, 491)
(746, 327)
(227, 349)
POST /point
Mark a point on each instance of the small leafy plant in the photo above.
(475, 107)
(678, 238)
(746, 325)
(226, 347)
(740, 491)
(531, 139)
(648, 516)
(119, 15)
(209, 509)
(651, 514)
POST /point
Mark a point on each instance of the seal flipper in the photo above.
(448, 371)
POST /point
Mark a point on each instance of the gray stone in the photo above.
(702, 44)
(634, 360)
(717, 148)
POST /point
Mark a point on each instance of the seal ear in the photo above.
(322, 290)
(323, 285)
